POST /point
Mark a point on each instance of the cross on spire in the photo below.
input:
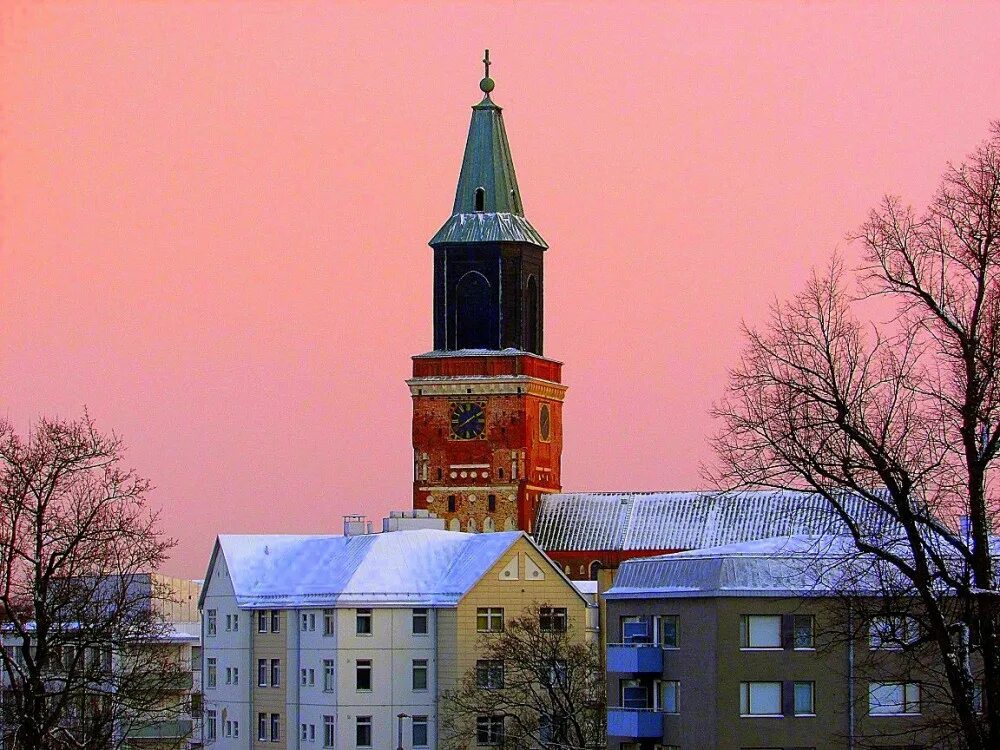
(486, 62)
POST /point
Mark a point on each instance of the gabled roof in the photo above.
(421, 567)
(487, 167)
(660, 521)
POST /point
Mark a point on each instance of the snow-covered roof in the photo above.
(420, 567)
(800, 565)
(682, 520)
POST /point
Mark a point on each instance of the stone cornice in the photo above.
(500, 385)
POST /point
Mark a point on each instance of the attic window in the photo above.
(480, 199)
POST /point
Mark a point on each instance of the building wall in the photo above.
(710, 666)
(460, 643)
(233, 649)
(511, 460)
(179, 602)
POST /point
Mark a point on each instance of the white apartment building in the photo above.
(322, 641)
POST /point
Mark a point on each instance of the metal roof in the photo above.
(488, 167)
(782, 566)
(636, 521)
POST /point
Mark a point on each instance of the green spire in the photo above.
(487, 196)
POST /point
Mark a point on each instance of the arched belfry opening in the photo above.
(532, 319)
(474, 324)
(480, 199)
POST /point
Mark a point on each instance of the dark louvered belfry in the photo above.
(488, 280)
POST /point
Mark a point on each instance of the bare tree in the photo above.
(80, 665)
(537, 686)
(903, 414)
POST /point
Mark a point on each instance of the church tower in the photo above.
(487, 406)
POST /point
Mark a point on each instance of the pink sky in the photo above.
(214, 217)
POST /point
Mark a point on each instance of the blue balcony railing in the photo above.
(635, 723)
(635, 658)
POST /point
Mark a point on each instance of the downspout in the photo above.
(297, 630)
(437, 680)
(850, 678)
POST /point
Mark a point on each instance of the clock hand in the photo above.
(469, 419)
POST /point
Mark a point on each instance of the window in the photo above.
(489, 730)
(363, 674)
(451, 503)
(363, 622)
(211, 671)
(760, 698)
(275, 725)
(893, 632)
(760, 631)
(275, 621)
(489, 674)
(491, 503)
(229, 675)
(480, 199)
(668, 696)
(210, 728)
(211, 616)
(329, 615)
(195, 658)
(420, 674)
(634, 629)
(275, 672)
(229, 626)
(308, 622)
(197, 705)
(893, 698)
(304, 732)
(262, 727)
(419, 622)
(804, 698)
(552, 729)
(666, 631)
(489, 619)
(558, 672)
(552, 619)
(634, 694)
(262, 621)
(328, 731)
(363, 732)
(262, 673)
(420, 731)
(328, 676)
(312, 732)
(803, 631)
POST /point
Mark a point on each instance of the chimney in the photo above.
(356, 525)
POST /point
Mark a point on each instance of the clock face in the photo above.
(544, 422)
(467, 421)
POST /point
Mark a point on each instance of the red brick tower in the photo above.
(487, 406)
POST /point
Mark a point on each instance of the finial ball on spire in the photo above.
(487, 85)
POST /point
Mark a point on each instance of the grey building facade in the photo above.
(744, 647)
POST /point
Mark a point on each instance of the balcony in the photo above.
(635, 658)
(635, 723)
(163, 730)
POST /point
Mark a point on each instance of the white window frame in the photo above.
(489, 619)
(329, 730)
